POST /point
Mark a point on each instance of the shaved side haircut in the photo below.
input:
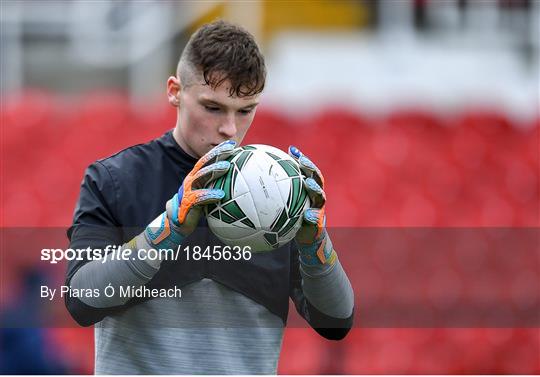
(221, 51)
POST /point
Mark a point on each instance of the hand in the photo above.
(192, 196)
(185, 208)
(312, 239)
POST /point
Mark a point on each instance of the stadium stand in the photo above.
(408, 168)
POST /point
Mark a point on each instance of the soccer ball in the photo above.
(264, 199)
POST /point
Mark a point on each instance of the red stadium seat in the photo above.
(407, 168)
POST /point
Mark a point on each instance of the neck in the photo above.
(177, 136)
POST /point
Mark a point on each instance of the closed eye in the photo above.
(246, 111)
(211, 109)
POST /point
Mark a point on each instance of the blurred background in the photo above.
(421, 113)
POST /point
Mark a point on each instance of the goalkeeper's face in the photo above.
(207, 117)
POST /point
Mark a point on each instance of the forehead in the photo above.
(221, 94)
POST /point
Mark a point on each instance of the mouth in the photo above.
(216, 144)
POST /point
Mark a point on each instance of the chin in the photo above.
(201, 152)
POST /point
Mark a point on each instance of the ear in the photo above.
(173, 91)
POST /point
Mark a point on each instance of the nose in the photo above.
(228, 127)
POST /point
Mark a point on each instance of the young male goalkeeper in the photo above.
(231, 314)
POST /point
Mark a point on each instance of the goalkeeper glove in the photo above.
(314, 244)
(184, 210)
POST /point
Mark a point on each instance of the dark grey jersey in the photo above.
(230, 317)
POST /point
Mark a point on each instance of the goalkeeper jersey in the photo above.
(231, 314)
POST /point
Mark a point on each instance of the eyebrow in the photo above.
(212, 102)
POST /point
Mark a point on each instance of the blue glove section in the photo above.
(313, 242)
(161, 235)
(310, 254)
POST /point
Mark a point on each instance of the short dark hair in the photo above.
(223, 51)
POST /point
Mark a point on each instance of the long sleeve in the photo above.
(328, 289)
(323, 296)
(95, 226)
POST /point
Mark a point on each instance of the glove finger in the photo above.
(312, 215)
(194, 198)
(207, 196)
(295, 152)
(316, 194)
(198, 198)
(208, 173)
(193, 201)
(308, 168)
(218, 153)
(314, 222)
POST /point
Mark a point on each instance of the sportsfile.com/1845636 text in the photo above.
(187, 253)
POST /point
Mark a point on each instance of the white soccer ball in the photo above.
(264, 199)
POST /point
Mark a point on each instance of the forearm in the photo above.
(116, 273)
(327, 288)
(102, 275)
